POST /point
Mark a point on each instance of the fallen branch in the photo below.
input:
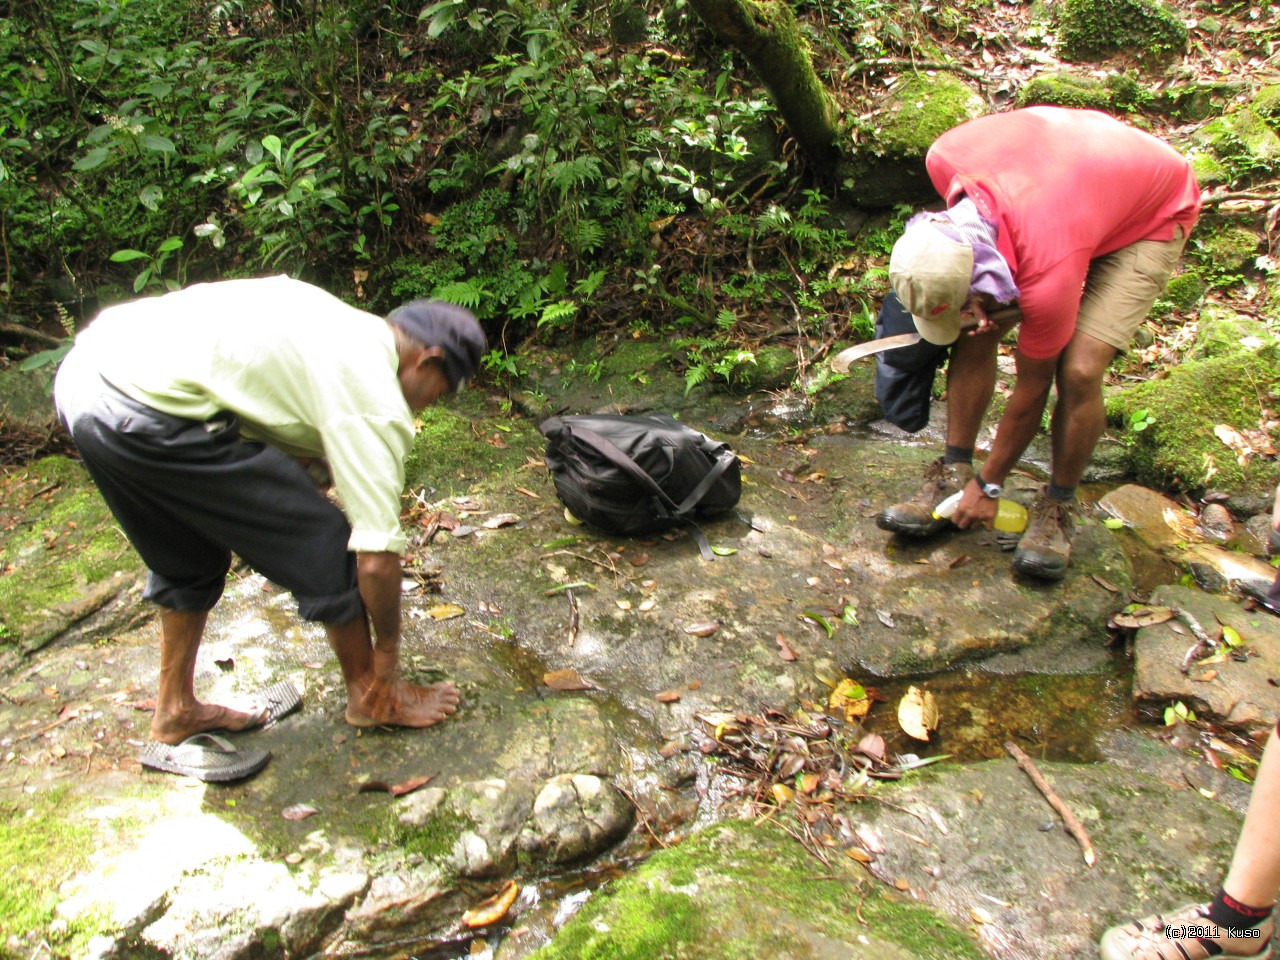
(1073, 825)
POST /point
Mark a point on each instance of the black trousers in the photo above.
(189, 493)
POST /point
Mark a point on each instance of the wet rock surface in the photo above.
(538, 783)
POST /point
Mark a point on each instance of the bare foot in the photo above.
(204, 717)
(403, 704)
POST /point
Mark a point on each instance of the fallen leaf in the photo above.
(500, 520)
(812, 616)
(668, 696)
(647, 604)
(298, 811)
(1138, 615)
(885, 617)
(623, 604)
(724, 551)
(293, 858)
(781, 793)
(567, 680)
(1231, 637)
(1206, 677)
(784, 649)
(528, 493)
(1105, 584)
(978, 915)
(410, 785)
(850, 698)
(445, 611)
(872, 745)
(702, 629)
(494, 909)
(638, 559)
(902, 884)
(917, 713)
(857, 853)
(809, 783)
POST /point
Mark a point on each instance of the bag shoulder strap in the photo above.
(610, 452)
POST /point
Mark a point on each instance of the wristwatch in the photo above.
(990, 490)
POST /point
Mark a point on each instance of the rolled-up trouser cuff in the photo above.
(185, 596)
(336, 610)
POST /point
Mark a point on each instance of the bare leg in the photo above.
(1079, 415)
(376, 696)
(178, 713)
(971, 382)
(1254, 877)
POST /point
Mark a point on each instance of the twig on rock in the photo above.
(1073, 825)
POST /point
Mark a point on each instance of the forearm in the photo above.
(1014, 433)
(378, 576)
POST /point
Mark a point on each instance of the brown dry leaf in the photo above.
(494, 909)
(918, 713)
(1207, 676)
(668, 696)
(857, 853)
(851, 698)
(702, 628)
(445, 611)
(410, 785)
(638, 559)
(784, 648)
(567, 680)
(1105, 584)
(902, 883)
(1139, 615)
(298, 811)
(809, 783)
(528, 493)
(872, 745)
(500, 520)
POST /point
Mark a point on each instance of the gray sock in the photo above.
(958, 455)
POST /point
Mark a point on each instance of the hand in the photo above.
(974, 507)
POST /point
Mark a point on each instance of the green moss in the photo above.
(465, 442)
(923, 109)
(1243, 144)
(42, 840)
(1223, 253)
(1179, 450)
(434, 840)
(773, 369)
(1185, 291)
(66, 543)
(739, 890)
(1093, 29)
(1266, 103)
(1119, 92)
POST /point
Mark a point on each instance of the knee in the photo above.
(1079, 382)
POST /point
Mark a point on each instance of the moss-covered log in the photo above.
(767, 34)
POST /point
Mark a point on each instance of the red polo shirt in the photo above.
(1063, 187)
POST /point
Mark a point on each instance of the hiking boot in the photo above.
(1173, 936)
(1045, 549)
(915, 517)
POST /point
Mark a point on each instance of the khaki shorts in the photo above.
(1122, 286)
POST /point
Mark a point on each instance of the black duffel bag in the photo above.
(640, 474)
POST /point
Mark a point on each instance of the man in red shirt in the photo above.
(1067, 223)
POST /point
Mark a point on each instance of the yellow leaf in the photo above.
(809, 783)
(851, 698)
(781, 793)
(918, 713)
(493, 909)
(445, 611)
(978, 915)
(857, 853)
(1231, 637)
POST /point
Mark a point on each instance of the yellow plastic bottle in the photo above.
(1011, 517)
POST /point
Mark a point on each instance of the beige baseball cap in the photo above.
(930, 273)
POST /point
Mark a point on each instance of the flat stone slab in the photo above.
(1238, 691)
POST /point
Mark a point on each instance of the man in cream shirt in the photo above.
(197, 414)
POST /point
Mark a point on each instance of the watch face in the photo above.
(992, 490)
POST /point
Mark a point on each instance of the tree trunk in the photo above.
(767, 34)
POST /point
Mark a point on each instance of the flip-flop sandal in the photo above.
(280, 700)
(205, 756)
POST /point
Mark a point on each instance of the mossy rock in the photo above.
(1222, 332)
(461, 443)
(1196, 101)
(1095, 29)
(1185, 290)
(1179, 450)
(1266, 104)
(1242, 143)
(66, 560)
(1119, 93)
(1226, 250)
(889, 168)
(739, 891)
